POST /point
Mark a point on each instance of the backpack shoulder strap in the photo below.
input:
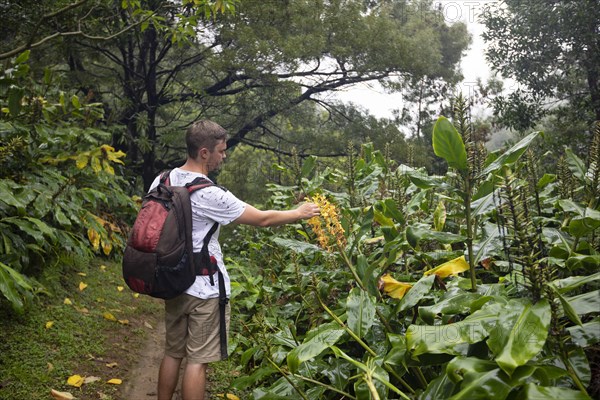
(165, 177)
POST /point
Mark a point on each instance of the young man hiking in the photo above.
(192, 319)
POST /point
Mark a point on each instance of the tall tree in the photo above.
(552, 49)
(174, 65)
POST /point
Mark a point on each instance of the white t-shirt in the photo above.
(209, 205)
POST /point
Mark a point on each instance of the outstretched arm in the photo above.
(256, 217)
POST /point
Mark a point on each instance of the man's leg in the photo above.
(194, 381)
(168, 375)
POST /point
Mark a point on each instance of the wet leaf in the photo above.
(75, 380)
(109, 316)
(94, 238)
(228, 396)
(91, 379)
(452, 267)
(361, 311)
(392, 287)
(61, 395)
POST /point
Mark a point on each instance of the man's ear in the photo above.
(203, 153)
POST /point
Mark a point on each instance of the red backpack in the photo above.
(159, 259)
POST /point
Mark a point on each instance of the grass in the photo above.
(74, 329)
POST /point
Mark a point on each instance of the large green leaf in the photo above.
(575, 164)
(308, 166)
(567, 308)
(585, 303)
(519, 333)
(416, 293)
(452, 338)
(322, 340)
(536, 392)
(439, 388)
(12, 285)
(587, 334)
(416, 233)
(360, 308)
(511, 155)
(589, 262)
(296, 245)
(448, 144)
(573, 282)
(451, 305)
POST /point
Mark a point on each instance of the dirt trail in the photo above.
(144, 376)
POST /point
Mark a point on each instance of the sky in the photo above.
(473, 65)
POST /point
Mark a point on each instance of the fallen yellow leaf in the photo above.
(81, 274)
(82, 286)
(147, 325)
(124, 321)
(228, 396)
(112, 365)
(452, 267)
(82, 310)
(67, 301)
(61, 395)
(120, 288)
(109, 316)
(136, 295)
(392, 287)
(49, 324)
(75, 380)
(115, 381)
(103, 267)
(91, 379)
(50, 367)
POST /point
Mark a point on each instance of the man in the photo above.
(192, 319)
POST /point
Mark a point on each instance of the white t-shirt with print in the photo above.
(209, 205)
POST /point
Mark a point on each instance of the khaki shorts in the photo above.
(193, 331)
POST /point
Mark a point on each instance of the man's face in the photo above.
(215, 158)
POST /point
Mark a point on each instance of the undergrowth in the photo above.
(86, 323)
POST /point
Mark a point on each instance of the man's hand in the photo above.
(308, 210)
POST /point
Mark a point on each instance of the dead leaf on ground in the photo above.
(75, 380)
(82, 286)
(115, 381)
(90, 379)
(112, 365)
(109, 316)
(61, 395)
(228, 396)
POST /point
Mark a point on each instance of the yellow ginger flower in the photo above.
(327, 226)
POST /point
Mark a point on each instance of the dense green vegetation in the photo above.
(438, 269)
(523, 321)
